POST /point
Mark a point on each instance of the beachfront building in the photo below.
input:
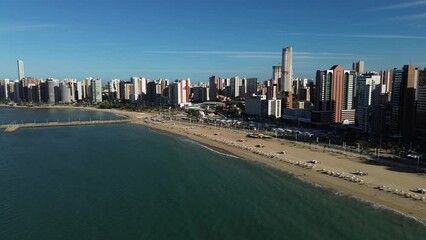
(4, 89)
(136, 89)
(215, 87)
(257, 106)
(324, 104)
(52, 90)
(85, 88)
(79, 91)
(67, 89)
(274, 108)
(154, 93)
(403, 101)
(261, 107)
(420, 126)
(334, 96)
(396, 103)
(366, 86)
(96, 91)
(139, 88)
(409, 79)
(179, 92)
(200, 94)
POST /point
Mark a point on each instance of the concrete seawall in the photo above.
(14, 127)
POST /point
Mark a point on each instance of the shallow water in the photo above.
(128, 182)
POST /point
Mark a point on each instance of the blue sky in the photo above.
(197, 38)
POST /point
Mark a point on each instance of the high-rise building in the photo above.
(114, 92)
(215, 87)
(5, 89)
(337, 93)
(274, 108)
(257, 106)
(154, 92)
(420, 126)
(234, 87)
(243, 87)
(79, 91)
(86, 92)
(387, 77)
(358, 67)
(409, 79)
(52, 90)
(329, 94)
(366, 85)
(67, 88)
(276, 74)
(348, 106)
(348, 90)
(251, 86)
(271, 89)
(200, 94)
(180, 91)
(96, 90)
(287, 70)
(21, 71)
(17, 91)
(136, 90)
(396, 102)
(139, 88)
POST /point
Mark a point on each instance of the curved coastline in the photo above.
(366, 192)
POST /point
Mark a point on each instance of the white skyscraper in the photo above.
(21, 72)
(136, 90)
(287, 70)
(180, 92)
(6, 89)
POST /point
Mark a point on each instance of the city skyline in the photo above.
(197, 39)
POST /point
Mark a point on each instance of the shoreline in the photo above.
(365, 192)
(225, 142)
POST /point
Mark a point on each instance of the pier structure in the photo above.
(14, 126)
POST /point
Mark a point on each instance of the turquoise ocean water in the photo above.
(128, 182)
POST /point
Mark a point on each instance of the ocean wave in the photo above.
(208, 148)
(378, 206)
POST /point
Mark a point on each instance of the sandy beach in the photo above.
(384, 186)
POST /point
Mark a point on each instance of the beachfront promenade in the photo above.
(14, 127)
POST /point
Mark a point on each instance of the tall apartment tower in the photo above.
(96, 90)
(251, 86)
(420, 126)
(358, 67)
(215, 87)
(180, 91)
(276, 74)
(287, 70)
(330, 93)
(21, 72)
(387, 77)
(409, 79)
(396, 102)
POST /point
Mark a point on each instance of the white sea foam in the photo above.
(206, 147)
